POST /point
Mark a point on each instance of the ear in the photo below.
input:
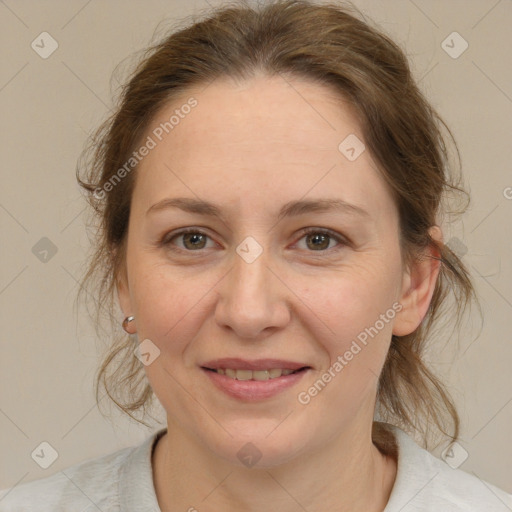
(418, 286)
(123, 291)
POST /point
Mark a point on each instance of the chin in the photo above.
(258, 446)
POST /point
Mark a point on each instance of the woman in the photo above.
(270, 192)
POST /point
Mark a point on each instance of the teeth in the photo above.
(243, 374)
(254, 375)
(261, 375)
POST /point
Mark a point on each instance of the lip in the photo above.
(254, 390)
(256, 364)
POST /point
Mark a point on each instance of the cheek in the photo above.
(353, 299)
(359, 308)
(172, 306)
(360, 320)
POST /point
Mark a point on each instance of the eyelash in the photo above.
(166, 241)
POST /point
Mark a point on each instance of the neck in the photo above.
(350, 474)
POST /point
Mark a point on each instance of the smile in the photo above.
(260, 375)
(254, 385)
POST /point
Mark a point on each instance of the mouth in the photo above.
(259, 375)
(253, 380)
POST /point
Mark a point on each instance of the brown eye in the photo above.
(196, 240)
(320, 240)
(192, 240)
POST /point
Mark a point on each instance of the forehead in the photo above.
(263, 139)
(265, 111)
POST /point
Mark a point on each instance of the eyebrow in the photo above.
(290, 209)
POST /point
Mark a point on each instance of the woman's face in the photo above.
(248, 283)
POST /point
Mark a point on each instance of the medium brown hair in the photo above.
(331, 45)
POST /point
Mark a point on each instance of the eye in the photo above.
(193, 240)
(318, 240)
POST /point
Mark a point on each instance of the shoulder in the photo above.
(424, 482)
(89, 485)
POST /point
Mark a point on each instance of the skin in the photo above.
(251, 147)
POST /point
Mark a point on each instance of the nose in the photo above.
(252, 299)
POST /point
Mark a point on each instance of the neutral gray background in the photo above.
(49, 355)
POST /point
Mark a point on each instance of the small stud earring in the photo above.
(126, 321)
